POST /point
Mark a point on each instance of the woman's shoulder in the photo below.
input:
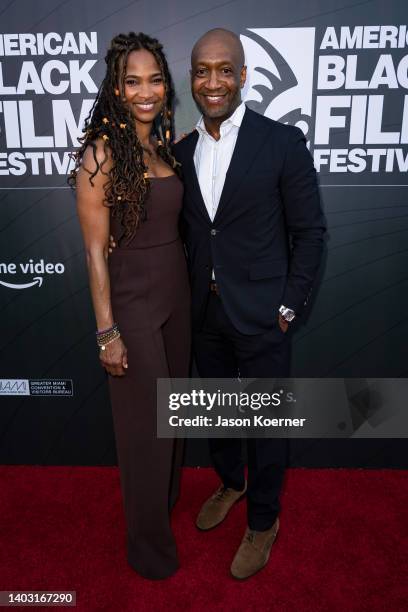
(98, 153)
(96, 162)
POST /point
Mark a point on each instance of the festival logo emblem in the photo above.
(280, 73)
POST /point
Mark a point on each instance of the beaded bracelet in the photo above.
(107, 336)
(103, 331)
(107, 333)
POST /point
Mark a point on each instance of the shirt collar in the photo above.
(235, 119)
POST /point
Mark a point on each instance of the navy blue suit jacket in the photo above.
(266, 240)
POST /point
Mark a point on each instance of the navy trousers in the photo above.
(221, 351)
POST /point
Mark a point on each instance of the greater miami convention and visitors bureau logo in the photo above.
(345, 87)
(36, 386)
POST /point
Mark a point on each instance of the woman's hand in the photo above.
(181, 137)
(114, 357)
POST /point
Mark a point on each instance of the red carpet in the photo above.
(340, 548)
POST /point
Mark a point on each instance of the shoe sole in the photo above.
(222, 520)
(259, 569)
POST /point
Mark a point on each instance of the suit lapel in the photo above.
(190, 175)
(249, 141)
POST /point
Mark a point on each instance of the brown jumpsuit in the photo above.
(150, 298)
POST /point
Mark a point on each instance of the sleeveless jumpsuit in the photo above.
(150, 297)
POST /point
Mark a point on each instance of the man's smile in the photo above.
(214, 99)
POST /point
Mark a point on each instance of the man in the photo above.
(253, 229)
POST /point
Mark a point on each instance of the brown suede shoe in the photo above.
(254, 551)
(216, 508)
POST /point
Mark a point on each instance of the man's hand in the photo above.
(112, 243)
(283, 324)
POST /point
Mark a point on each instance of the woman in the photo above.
(127, 185)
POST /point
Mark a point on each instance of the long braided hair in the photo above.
(127, 186)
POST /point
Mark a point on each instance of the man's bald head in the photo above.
(220, 37)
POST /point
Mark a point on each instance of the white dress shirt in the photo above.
(212, 157)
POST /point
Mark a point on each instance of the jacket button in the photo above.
(213, 232)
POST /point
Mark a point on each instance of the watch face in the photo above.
(287, 313)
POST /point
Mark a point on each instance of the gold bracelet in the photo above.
(106, 334)
(104, 339)
(103, 346)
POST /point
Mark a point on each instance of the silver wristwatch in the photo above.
(287, 313)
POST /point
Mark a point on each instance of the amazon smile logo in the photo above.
(36, 270)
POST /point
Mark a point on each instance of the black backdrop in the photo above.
(54, 406)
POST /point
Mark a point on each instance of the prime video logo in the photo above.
(345, 87)
(29, 268)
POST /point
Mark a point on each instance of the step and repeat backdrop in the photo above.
(337, 69)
